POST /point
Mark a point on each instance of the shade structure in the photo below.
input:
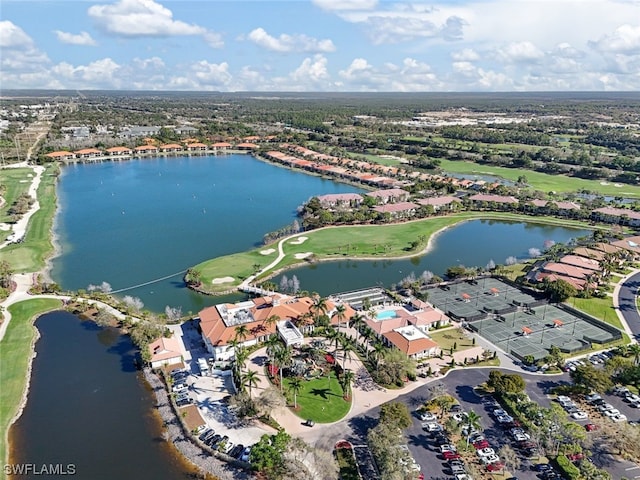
(494, 291)
(466, 296)
(526, 330)
(558, 323)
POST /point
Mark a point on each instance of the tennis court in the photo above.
(473, 300)
(534, 331)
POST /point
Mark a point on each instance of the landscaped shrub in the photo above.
(567, 467)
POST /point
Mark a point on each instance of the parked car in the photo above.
(495, 466)
(448, 448)
(426, 416)
(579, 415)
(451, 455)
(432, 427)
(590, 427)
(576, 457)
(245, 454)
(480, 444)
(620, 390)
(592, 397)
(490, 459)
(455, 408)
(542, 467)
(621, 417)
(309, 423)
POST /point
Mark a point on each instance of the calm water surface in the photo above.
(88, 407)
(127, 223)
(472, 243)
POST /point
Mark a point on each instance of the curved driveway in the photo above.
(626, 297)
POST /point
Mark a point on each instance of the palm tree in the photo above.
(319, 307)
(634, 349)
(346, 379)
(333, 336)
(340, 314)
(357, 321)
(295, 385)
(271, 320)
(249, 379)
(347, 348)
(282, 358)
(472, 422)
(241, 356)
(241, 333)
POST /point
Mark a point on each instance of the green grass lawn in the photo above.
(601, 308)
(16, 182)
(361, 241)
(15, 352)
(30, 255)
(373, 158)
(320, 400)
(446, 339)
(542, 181)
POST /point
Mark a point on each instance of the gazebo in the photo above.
(466, 297)
(558, 323)
(526, 331)
(494, 291)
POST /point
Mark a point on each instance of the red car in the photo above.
(480, 444)
(590, 427)
(451, 455)
(495, 467)
(421, 476)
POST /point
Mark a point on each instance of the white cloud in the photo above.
(466, 55)
(625, 39)
(290, 43)
(103, 73)
(519, 52)
(341, 5)
(312, 70)
(82, 38)
(411, 76)
(146, 18)
(212, 74)
(19, 52)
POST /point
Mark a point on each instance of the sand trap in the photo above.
(24, 181)
(268, 251)
(218, 281)
(5, 226)
(617, 185)
(300, 256)
(299, 240)
(604, 183)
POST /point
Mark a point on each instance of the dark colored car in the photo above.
(309, 423)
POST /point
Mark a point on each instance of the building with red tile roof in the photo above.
(567, 270)
(412, 342)
(61, 155)
(88, 153)
(439, 203)
(400, 209)
(582, 262)
(616, 215)
(196, 147)
(247, 146)
(118, 151)
(221, 146)
(484, 197)
(333, 200)
(146, 149)
(390, 195)
(220, 323)
(170, 147)
(165, 351)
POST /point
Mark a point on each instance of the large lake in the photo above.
(128, 223)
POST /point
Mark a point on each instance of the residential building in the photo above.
(165, 351)
(391, 195)
(398, 210)
(622, 216)
(335, 200)
(440, 203)
(412, 342)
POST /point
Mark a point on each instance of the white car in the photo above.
(432, 427)
(448, 448)
(427, 416)
(521, 437)
(632, 398)
(459, 417)
(563, 399)
(579, 415)
(604, 407)
(620, 417)
(490, 459)
(611, 413)
(485, 452)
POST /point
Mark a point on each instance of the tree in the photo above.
(249, 379)
(269, 400)
(271, 320)
(510, 458)
(319, 307)
(241, 333)
(267, 456)
(634, 349)
(443, 402)
(346, 379)
(347, 348)
(282, 359)
(559, 290)
(340, 314)
(133, 303)
(591, 378)
(193, 277)
(173, 314)
(472, 422)
(395, 413)
(295, 385)
(506, 383)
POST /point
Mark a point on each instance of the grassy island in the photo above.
(336, 243)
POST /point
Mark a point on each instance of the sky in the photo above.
(321, 45)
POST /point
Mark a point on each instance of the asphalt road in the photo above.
(627, 303)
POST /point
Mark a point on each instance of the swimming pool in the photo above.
(386, 314)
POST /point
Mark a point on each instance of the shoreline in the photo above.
(45, 272)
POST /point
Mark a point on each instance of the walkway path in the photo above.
(624, 302)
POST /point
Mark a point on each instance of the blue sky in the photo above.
(321, 45)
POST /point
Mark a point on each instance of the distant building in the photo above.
(398, 210)
(622, 216)
(138, 131)
(390, 195)
(335, 200)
